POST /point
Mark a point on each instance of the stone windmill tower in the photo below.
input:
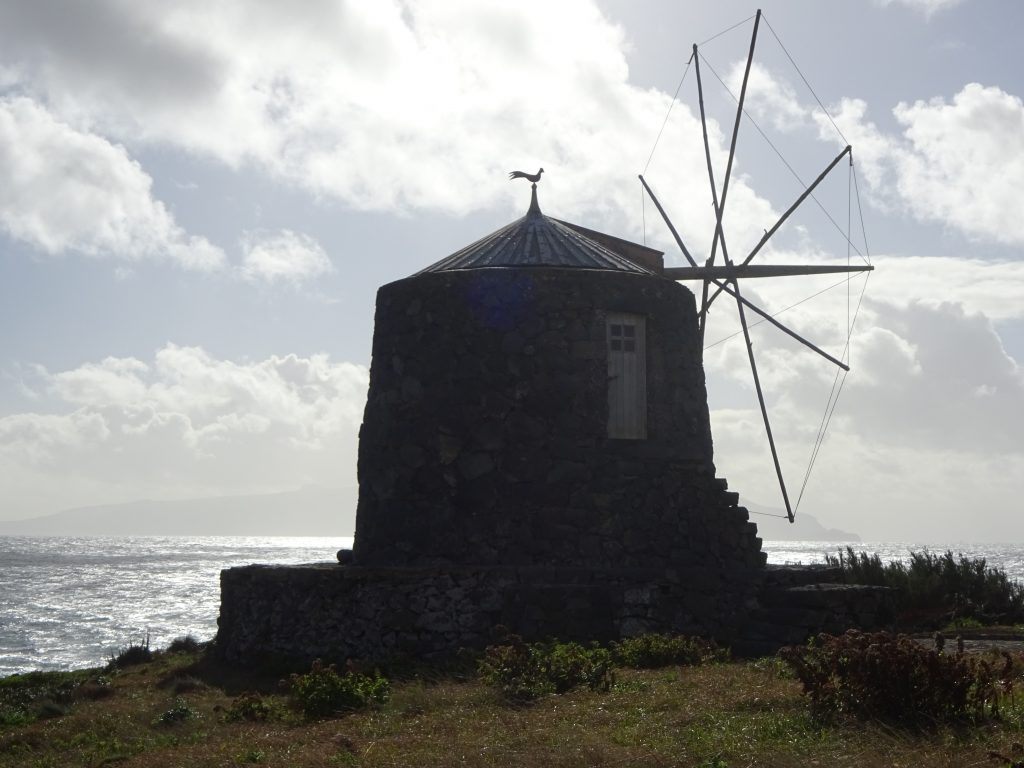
(537, 408)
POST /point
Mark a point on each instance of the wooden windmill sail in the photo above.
(725, 277)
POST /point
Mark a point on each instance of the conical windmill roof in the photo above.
(537, 240)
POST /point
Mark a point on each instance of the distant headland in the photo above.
(310, 511)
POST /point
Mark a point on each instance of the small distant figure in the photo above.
(534, 177)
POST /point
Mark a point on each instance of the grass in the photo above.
(719, 715)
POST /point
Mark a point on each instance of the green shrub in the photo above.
(41, 695)
(963, 622)
(322, 691)
(252, 708)
(14, 715)
(895, 679)
(179, 712)
(657, 650)
(934, 589)
(131, 654)
(185, 644)
(99, 687)
(526, 671)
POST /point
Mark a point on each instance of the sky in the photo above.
(199, 201)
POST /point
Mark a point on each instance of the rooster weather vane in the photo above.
(725, 278)
(534, 177)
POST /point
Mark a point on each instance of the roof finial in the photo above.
(534, 207)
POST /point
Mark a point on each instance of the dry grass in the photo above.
(718, 716)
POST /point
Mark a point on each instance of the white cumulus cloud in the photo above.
(283, 256)
(927, 7)
(183, 424)
(383, 106)
(67, 190)
(958, 162)
(929, 418)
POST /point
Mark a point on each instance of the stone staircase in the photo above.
(799, 601)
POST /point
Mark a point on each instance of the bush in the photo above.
(322, 691)
(131, 654)
(934, 588)
(179, 712)
(41, 695)
(526, 671)
(252, 708)
(897, 680)
(186, 644)
(656, 650)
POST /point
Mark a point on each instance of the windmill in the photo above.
(725, 277)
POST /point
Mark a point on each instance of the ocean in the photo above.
(71, 602)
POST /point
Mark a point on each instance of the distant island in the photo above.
(772, 525)
(311, 511)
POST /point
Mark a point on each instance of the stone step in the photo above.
(790, 614)
(800, 574)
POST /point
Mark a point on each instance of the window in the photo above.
(627, 376)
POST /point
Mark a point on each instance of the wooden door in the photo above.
(627, 376)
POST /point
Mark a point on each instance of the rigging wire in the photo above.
(726, 31)
(777, 152)
(643, 212)
(799, 72)
(860, 212)
(767, 514)
(785, 309)
(667, 113)
(680, 85)
(830, 406)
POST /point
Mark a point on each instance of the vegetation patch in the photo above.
(933, 590)
(131, 655)
(894, 679)
(252, 708)
(184, 644)
(526, 671)
(43, 695)
(322, 691)
(179, 712)
(655, 650)
(723, 714)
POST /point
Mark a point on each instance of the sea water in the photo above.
(71, 602)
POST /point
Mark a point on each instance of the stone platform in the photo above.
(332, 611)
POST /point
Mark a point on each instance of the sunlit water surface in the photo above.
(72, 602)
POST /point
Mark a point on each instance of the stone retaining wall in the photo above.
(337, 612)
(332, 611)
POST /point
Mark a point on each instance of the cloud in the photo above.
(66, 190)
(182, 424)
(929, 421)
(381, 106)
(965, 165)
(957, 163)
(927, 7)
(283, 257)
(768, 98)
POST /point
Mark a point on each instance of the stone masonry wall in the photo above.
(484, 436)
(332, 611)
(339, 612)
